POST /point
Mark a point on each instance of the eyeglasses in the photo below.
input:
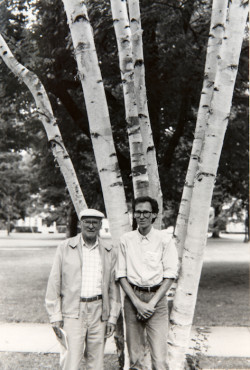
(89, 223)
(146, 214)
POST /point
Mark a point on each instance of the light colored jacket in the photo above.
(64, 284)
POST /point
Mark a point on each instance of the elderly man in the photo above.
(82, 296)
(146, 267)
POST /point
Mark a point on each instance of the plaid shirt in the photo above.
(91, 270)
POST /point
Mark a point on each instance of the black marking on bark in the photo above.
(134, 132)
(118, 183)
(205, 76)
(139, 63)
(95, 135)
(218, 25)
(103, 170)
(133, 121)
(53, 143)
(125, 41)
(127, 26)
(115, 20)
(205, 106)
(5, 52)
(210, 84)
(133, 20)
(112, 155)
(172, 322)
(81, 46)
(139, 170)
(81, 17)
(216, 89)
(99, 81)
(39, 94)
(233, 66)
(140, 115)
(150, 148)
(204, 174)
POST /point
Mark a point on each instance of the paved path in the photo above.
(210, 341)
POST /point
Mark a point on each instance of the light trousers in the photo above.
(156, 330)
(85, 338)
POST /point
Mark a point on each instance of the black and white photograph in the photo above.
(124, 185)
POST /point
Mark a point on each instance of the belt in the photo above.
(91, 299)
(146, 289)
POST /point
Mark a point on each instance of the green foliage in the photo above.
(175, 39)
(15, 176)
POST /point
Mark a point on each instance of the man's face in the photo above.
(90, 227)
(143, 214)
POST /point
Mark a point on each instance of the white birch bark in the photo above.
(98, 115)
(217, 27)
(123, 36)
(186, 293)
(142, 106)
(49, 122)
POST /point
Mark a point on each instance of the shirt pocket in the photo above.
(151, 259)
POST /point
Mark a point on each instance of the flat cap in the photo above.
(90, 212)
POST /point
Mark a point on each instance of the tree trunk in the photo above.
(142, 106)
(72, 222)
(49, 122)
(100, 129)
(216, 224)
(186, 292)
(217, 26)
(246, 239)
(123, 36)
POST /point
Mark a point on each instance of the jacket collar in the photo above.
(73, 242)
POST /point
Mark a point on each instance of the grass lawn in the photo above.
(223, 300)
(35, 361)
(223, 296)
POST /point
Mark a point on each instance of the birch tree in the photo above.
(100, 129)
(186, 293)
(123, 36)
(142, 106)
(217, 27)
(49, 122)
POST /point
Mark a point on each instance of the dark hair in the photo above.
(152, 201)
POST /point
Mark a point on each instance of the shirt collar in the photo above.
(85, 245)
(146, 237)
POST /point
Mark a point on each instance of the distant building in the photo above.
(35, 224)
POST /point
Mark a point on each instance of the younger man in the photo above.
(146, 267)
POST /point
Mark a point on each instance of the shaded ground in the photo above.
(223, 296)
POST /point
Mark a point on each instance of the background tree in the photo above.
(175, 37)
